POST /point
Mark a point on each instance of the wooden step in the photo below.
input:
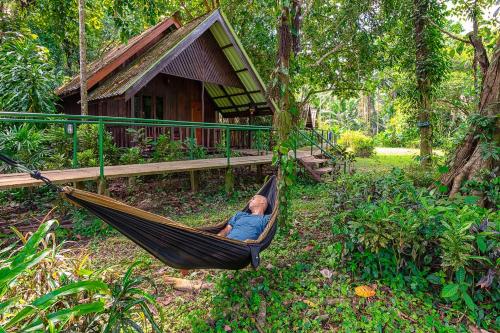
(314, 160)
(324, 170)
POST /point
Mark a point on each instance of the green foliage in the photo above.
(26, 75)
(406, 236)
(59, 295)
(24, 142)
(128, 302)
(195, 150)
(131, 156)
(88, 139)
(167, 150)
(360, 144)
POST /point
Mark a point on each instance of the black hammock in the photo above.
(176, 245)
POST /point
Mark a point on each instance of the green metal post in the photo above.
(312, 141)
(228, 146)
(101, 149)
(75, 146)
(191, 134)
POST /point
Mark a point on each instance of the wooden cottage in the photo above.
(194, 72)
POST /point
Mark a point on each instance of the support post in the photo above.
(229, 181)
(192, 141)
(195, 181)
(228, 146)
(258, 142)
(75, 146)
(101, 149)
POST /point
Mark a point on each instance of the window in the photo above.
(146, 107)
(159, 108)
(136, 113)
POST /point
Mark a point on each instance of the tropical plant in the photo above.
(43, 288)
(24, 142)
(27, 78)
(360, 144)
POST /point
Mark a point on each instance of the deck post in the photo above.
(228, 146)
(191, 142)
(75, 146)
(229, 181)
(258, 142)
(101, 149)
(195, 181)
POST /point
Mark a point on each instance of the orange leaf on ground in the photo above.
(364, 291)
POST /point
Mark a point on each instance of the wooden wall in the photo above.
(166, 96)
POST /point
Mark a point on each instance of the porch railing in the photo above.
(205, 133)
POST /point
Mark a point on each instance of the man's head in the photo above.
(258, 204)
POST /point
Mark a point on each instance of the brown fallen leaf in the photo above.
(187, 285)
(474, 329)
(326, 273)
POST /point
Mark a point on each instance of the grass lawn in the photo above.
(303, 284)
(388, 158)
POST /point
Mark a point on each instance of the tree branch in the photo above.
(327, 54)
(460, 39)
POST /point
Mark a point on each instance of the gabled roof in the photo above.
(229, 100)
(118, 55)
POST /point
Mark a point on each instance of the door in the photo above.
(196, 115)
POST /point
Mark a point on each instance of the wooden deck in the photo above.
(18, 180)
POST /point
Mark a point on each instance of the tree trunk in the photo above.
(468, 160)
(423, 81)
(83, 58)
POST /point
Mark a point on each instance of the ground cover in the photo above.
(308, 276)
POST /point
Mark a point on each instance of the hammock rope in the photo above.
(173, 243)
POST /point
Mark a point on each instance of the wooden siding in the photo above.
(203, 60)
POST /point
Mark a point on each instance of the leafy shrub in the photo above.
(25, 143)
(131, 156)
(60, 293)
(88, 139)
(410, 237)
(167, 150)
(27, 78)
(360, 144)
(194, 149)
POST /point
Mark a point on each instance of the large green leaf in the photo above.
(31, 245)
(62, 316)
(450, 290)
(47, 300)
(8, 274)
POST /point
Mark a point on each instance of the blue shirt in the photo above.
(247, 226)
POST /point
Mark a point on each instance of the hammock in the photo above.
(176, 245)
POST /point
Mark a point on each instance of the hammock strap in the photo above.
(36, 174)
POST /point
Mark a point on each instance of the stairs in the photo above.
(315, 165)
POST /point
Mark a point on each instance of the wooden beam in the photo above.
(238, 94)
(241, 70)
(240, 106)
(258, 112)
(228, 97)
(226, 46)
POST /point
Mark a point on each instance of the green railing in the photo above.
(315, 139)
(72, 122)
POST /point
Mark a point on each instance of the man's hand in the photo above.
(225, 231)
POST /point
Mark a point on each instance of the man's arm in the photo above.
(225, 231)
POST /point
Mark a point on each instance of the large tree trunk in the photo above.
(83, 58)
(469, 160)
(423, 82)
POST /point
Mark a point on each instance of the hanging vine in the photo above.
(282, 95)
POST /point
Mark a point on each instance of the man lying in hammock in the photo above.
(243, 225)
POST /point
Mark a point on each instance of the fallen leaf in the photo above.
(474, 329)
(187, 285)
(309, 303)
(364, 291)
(326, 273)
(308, 248)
